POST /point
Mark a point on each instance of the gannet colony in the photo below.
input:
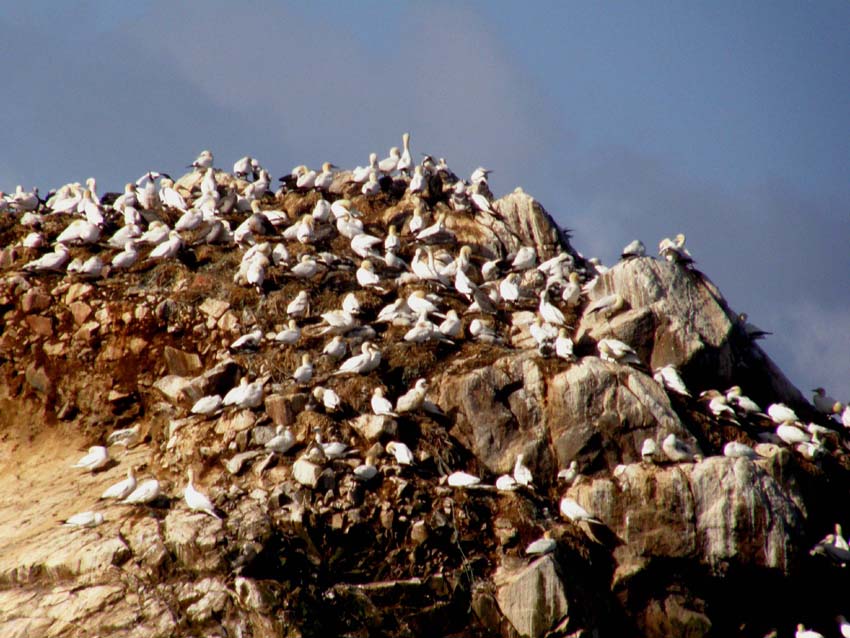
(381, 402)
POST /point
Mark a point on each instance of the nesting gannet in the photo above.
(79, 231)
(677, 450)
(735, 449)
(569, 474)
(364, 244)
(564, 345)
(243, 167)
(781, 413)
(84, 519)
(413, 399)
(51, 262)
(245, 395)
(424, 330)
(674, 250)
(371, 187)
(306, 267)
(33, 240)
(525, 258)
(127, 257)
(717, 404)
(802, 632)
(462, 479)
(381, 406)
(616, 351)
(752, 331)
(542, 546)
(549, 312)
(405, 161)
(451, 325)
(169, 248)
(335, 348)
(289, 335)
(845, 415)
(823, 403)
(145, 492)
(250, 341)
(361, 173)
(366, 275)
(606, 306)
(425, 268)
(522, 475)
(304, 373)
(436, 232)
(203, 161)
(735, 397)
(506, 483)
(22, 200)
(97, 457)
(282, 441)
(207, 405)
(329, 399)
(571, 510)
(306, 178)
(368, 360)
(300, 305)
(402, 453)
(390, 164)
(122, 489)
(509, 288)
(170, 197)
(348, 226)
(417, 221)
(324, 179)
(197, 501)
(633, 249)
(417, 182)
(791, 434)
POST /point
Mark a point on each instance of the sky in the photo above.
(727, 121)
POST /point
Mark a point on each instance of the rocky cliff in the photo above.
(311, 539)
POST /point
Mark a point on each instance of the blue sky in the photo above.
(726, 121)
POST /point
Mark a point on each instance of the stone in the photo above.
(38, 379)
(533, 598)
(181, 362)
(173, 388)
(77, 291)
(87, 331)
(306, 473)
(373, 427)
(35, 300)
(237, 462)
(80, 311)
(235, 422)
(228, 321)
(214, 308)
(279, 408)
(42, 326)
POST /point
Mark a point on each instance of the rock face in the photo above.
(339, 531)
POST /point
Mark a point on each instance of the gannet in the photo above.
(668, 377)
(436, 232)
(304, 373)
(84, 519)
(451, 325)
(156, 233)
(633, 249)
(366, 275)
(525, 258)
(91, 268)
(674, 250)
(616, 351)
(304, 232)
(325, 178)
(145, 492)
(124, 234)
(243, 167)
(677, 450)
(843, 626)
(717, 403)
(781, 413)
(348, 226)
(126, 257)
(506, 483)
(394, 262)
(127, 437)
(361, 173)
(282, 441)
(306, 178)
(734, 449)
(335, 348)
(648, 450)
(424, 267)
(482, 330)
(367, 470)
(190, 220)
(146, 190)
(570, 474)
(79, 231)
(208, 185)
(417, 221)
(122, 489)
(33, 240)
(791, 434)
(305, 268)
(280, 254)
(405, 161)
(365, 362)
(170, 197)
(381, 406)
(464, 285)
(364, 244)
(418, 302)
(169, 248)
(417, 182)
(509, 288)
(389, 164)
(845, 415)
(250, 341)
(802, 632)
(54, 261)
(371, 187)
(752, 331)
(549, 312)
(300, 305)
(97, 457)
(402, 453)
(412, 399)
(462, 479)
(423, 330)
(564, 345)
(197, 501)
(479, 200)
(541, 546)
(747, 405)
(607, 305)
(289, 335)
(245, 395)
(823, 403)
(207, 405)
(203, 161)
(571, 510)
(522, 475)
(25, 200)
(327, 397)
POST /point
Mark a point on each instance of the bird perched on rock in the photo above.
(304, 372)
(381, 406)
(734, 449)
(197, 501)
(245, 395)
(121, 489)
(781, 413)
(571, 510)
(84, 519)
(677, 450)
(462, 479)
(97, 457)
(616, 351)
(633, 249)
(413, 399)
(282, 441)
(541, 546)
(669, 377)
(145, 492)
(207, 405)
(522, 475)
(402, 453)
(649, 450)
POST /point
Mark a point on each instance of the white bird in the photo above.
(203, 161)
(569, 474)
(351, 304)
(79, 231)
(525, 258)
(549, 312)
(571, 510)
(748, 406)
(363, 363)
(522, 475)
(616, 351)
(791, 434)
(156, 233)
(327, 397)
(169, 196)
(84, 519)
(677, 450)
(366, 275)
(145, 492)
(127, 437)
(648, 450)
(243, 167)
(423, 330)
(405, 161)
(300, 306)
(633, 249)
(245, 395)
(674, 250)
(289, 335)
(541, 546)
(190, 220)
(781, 413)
(33, 240)
(304, 373)
(197, 501)
(126, 257)
(843, 626)
(564, 345)
(389, 164)
(282, 441)
(462, 479)
(305, 268)
(802, 632)
(436, 232)
(735, 449)
(506, 483)
(325, 178)
(607, 305)
(381, 406)
(332, 449)
(122, 489)
(417, 182)
(717, 403)
(361, 173)
(250, 341)
(371, 187)
(335, 348)
(97, 457)
(366, 471)
(845, 416)
(168, 248)
(451, 325)
(363, 245)
(207, 405)
(412, 399)
(402, 453)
